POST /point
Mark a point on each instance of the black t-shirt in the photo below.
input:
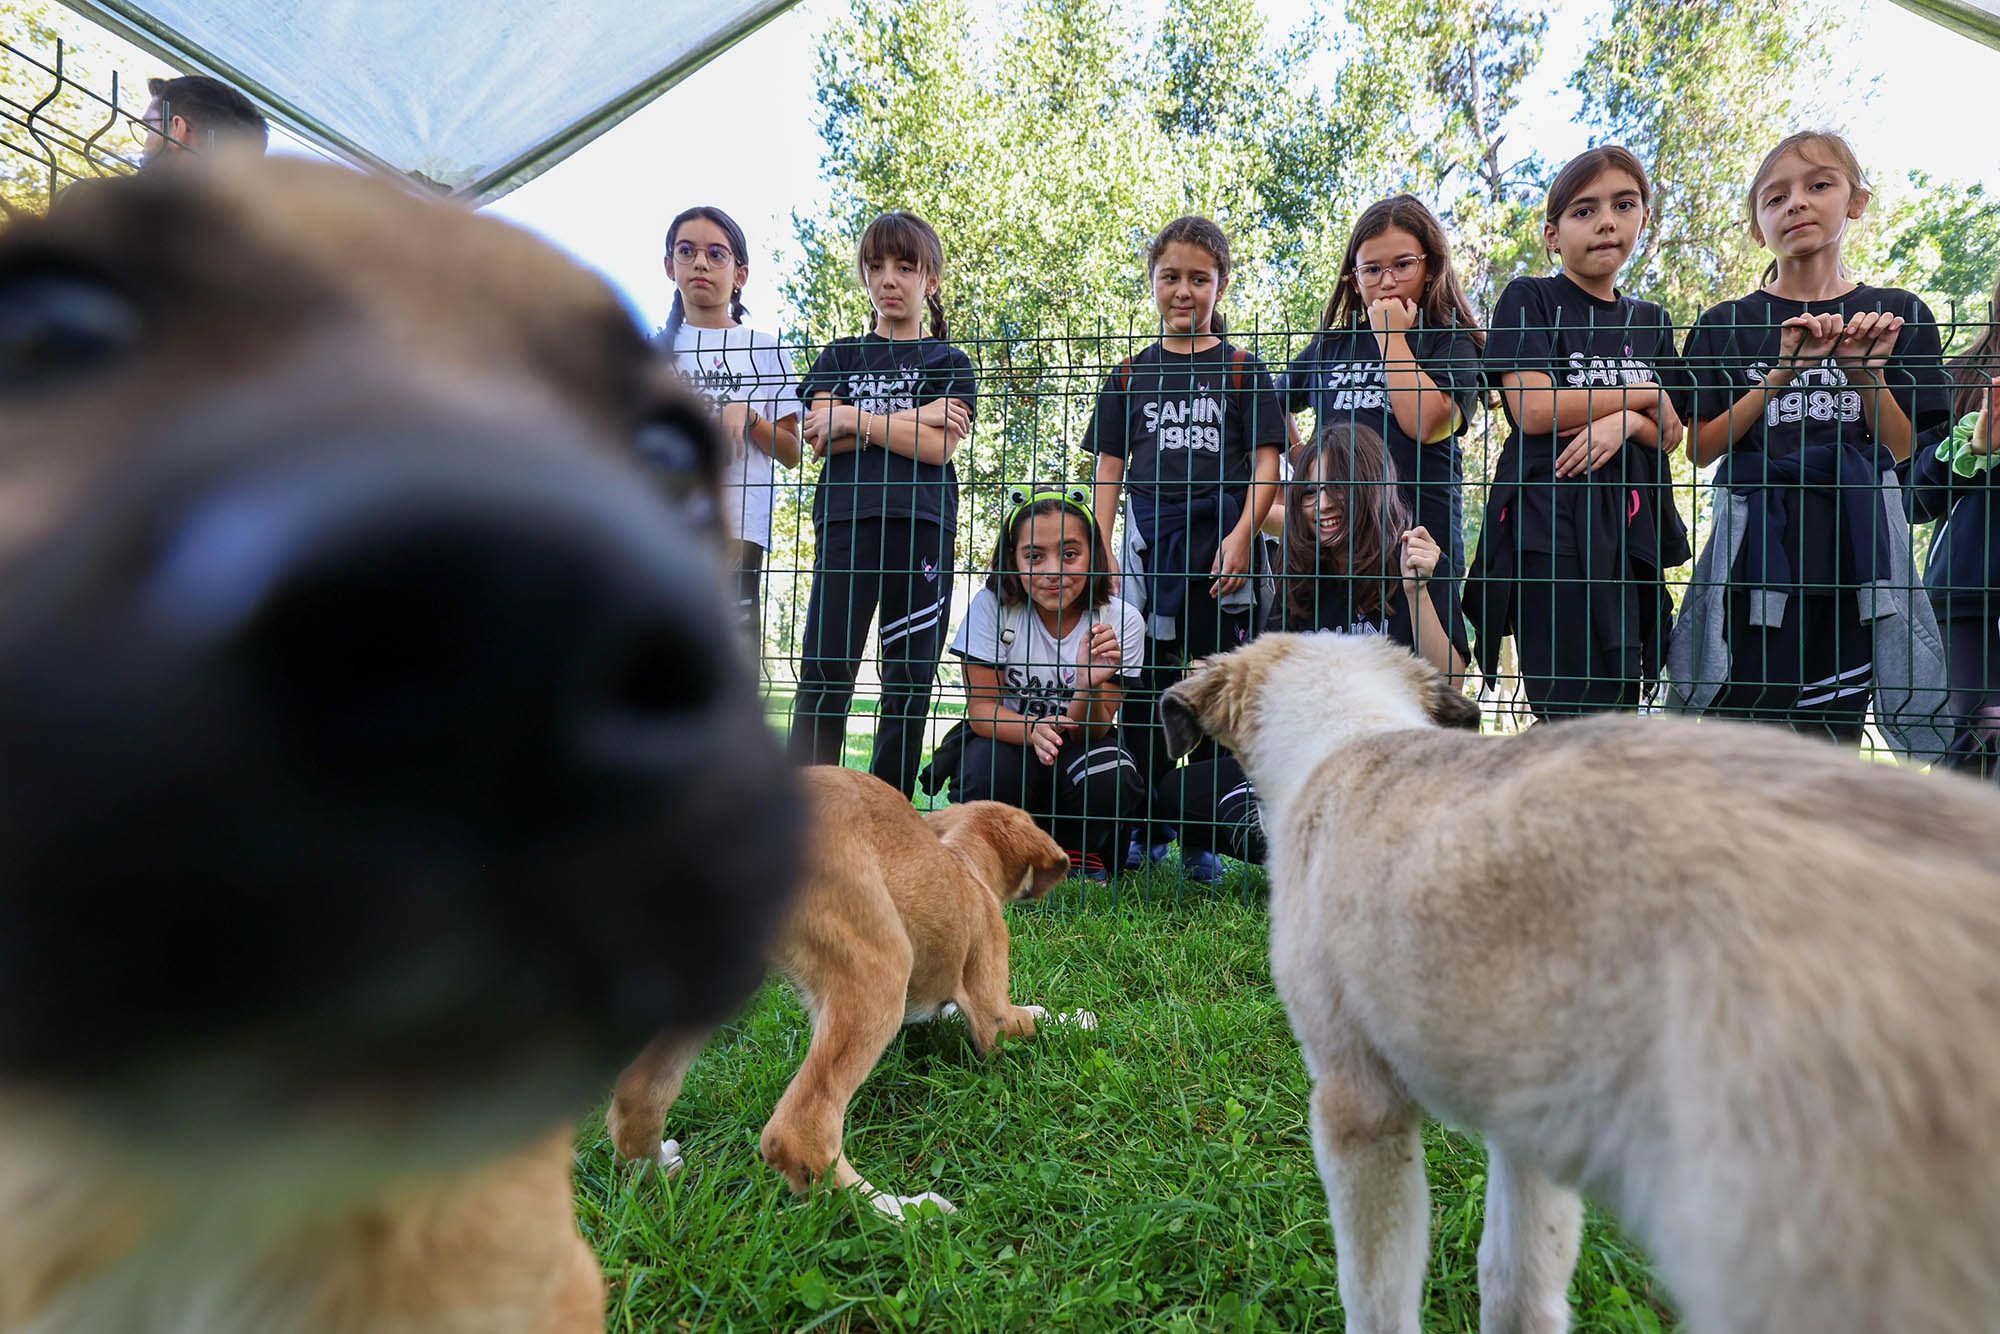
(1341, 376)
(882, 375)
(1186, 423)
(1734, 344)
(1553, 326)
(1336, 605)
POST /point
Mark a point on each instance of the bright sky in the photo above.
(741, 134)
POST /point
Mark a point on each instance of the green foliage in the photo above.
(1943, 243)
(1048, 142)
(51, 132)
(1701, 90)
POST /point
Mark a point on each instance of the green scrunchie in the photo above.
(1956, 449)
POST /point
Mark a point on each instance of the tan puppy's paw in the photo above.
(903, 1208)
(668, 1160)
(1083, 1019)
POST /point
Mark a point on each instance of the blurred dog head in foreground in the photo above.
(378, 767)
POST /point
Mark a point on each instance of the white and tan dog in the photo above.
(899, 921)
(1738, 986)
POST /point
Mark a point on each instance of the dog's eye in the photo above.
(54, 326)
(680, 467)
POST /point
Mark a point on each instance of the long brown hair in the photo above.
(905, 236)
(1355, 465)
(1834, 152)
(1204, 234)
(1973, 369)
(1444, 304)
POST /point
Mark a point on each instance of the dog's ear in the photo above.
(1049, 874)
(1205, 704)
(1449, 706)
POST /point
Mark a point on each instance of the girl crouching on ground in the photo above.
(1046, 651)
(1353, 565)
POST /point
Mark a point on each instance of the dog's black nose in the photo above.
(410, 613)
(391, 758)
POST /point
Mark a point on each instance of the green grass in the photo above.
(1152, 1175)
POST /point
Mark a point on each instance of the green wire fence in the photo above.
(1829, 568)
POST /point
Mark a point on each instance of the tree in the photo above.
(1047, 146)
(1701, 90)
(53, 129)
(1941, 240)
(1453, 72)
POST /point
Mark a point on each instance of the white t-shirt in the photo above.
(1037, 673)
(741, 366)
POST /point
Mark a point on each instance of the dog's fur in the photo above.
(1738, 986)
(288, 1003)
(899, 919)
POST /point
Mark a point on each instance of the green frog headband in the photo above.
(1021, 499)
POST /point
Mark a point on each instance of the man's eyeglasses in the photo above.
(718, 255)
(1402, 268)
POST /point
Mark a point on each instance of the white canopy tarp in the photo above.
(477, 95)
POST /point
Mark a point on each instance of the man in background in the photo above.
(195, 114)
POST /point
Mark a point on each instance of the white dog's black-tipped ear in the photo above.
(1202, 705)
(1182, 721)
(1451, 707)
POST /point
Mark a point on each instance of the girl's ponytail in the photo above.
(935, 305)
(672, 332)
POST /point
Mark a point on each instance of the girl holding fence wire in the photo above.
(1047, 653)
(886, 412)
(1398, 353)
(1186, 434)
(1580, 523)
(1808, 392)
(1956, 480)
(745, 378)
(1353, 565)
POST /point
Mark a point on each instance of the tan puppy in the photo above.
(1741, 987)
(899, 920)
(359, 695)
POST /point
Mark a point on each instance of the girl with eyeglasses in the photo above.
(1398, 353)
(885, 413)
(1047, 652)
(1580, 523)
(743, 375)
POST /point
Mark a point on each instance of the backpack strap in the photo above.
(1238, 359)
